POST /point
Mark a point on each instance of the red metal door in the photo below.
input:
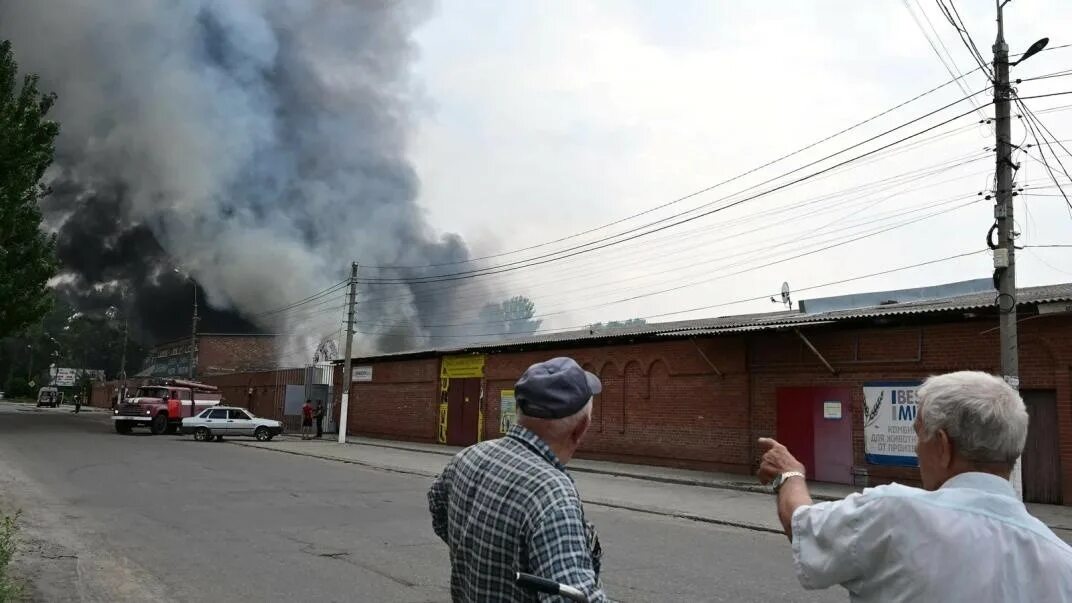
(463, 411)
(796, 428)
(815, 423)
(832, 414)
(1041, 465)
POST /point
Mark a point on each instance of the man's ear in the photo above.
(581, 428)
(945, 448)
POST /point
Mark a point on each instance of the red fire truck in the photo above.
(162, 404)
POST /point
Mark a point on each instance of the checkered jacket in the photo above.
(508, 505)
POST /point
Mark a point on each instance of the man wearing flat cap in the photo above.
(508, 505)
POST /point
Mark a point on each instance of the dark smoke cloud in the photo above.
(260, 145)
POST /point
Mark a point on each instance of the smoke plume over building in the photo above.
(256, 146)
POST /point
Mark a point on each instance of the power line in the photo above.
(1047, 49)
(585, 248)
(965, 36)
(719, 305)
(1031, 122)
(1040, 124)
(1047, 76)
(826, 245)
(951, 67)
(319, 294)
(766, 247)
(427, 291)
(765, 215)
(698, 192)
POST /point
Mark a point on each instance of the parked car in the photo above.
(221, 421)
(49, 396)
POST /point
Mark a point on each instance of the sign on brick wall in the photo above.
(507, 410)
(889, 411)
(461, 367)
(361, 373)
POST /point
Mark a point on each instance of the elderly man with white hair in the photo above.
(964, 537)
(508, 505)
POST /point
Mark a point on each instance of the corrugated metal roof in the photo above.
(759, 322)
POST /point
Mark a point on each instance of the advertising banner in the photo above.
(889, 411)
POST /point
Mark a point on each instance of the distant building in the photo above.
(833, 379)
(215, 354)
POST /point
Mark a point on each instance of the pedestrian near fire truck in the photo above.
(508, 505)
(965, 536)
(307, 420)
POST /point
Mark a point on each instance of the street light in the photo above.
(193, 331)
(1033, 50)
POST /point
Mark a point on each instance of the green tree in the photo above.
(510, 317)
(27, 145)
(620, 324)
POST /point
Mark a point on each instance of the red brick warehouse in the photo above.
(698, 393)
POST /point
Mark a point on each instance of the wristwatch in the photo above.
(781, 479)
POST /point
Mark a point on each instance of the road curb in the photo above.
(338, 459)
(756, 488)
(595, 502)
(689, 516)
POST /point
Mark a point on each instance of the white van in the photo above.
(49, 396)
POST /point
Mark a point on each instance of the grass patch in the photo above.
(10, 589)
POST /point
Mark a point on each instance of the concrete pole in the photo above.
(347, 381)
(1005, 253)
(193, 339)
(123, 358)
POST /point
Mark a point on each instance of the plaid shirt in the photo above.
(508, 505)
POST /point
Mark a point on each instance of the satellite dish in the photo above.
(785, 296)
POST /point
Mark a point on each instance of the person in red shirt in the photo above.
(307, 420)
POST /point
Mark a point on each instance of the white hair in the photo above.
(555, 429)
(982, 414)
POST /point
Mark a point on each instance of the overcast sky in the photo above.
(539, 120)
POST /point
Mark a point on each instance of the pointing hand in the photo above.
(776, 461)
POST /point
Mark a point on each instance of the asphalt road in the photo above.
(163, 517)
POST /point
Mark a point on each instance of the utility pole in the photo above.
(1005, 249)
(347, 380)
(193, 338)
(123, 358)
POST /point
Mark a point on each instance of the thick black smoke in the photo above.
(257, 145)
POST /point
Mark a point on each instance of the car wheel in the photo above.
(262, 434)
(159, 424)
(201, 434)
(122, 427)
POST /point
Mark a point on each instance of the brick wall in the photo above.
(661, 403)
(664, 404)
(399, 403)
(218, 354)
(874, 354)
(262, 392)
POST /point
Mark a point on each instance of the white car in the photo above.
(220, 421)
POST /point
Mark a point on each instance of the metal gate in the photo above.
(1041, 464)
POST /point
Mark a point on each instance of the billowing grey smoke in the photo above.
(260, 145)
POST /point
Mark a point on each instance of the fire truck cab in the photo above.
(162, 404)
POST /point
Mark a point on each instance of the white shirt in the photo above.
(971, 540)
